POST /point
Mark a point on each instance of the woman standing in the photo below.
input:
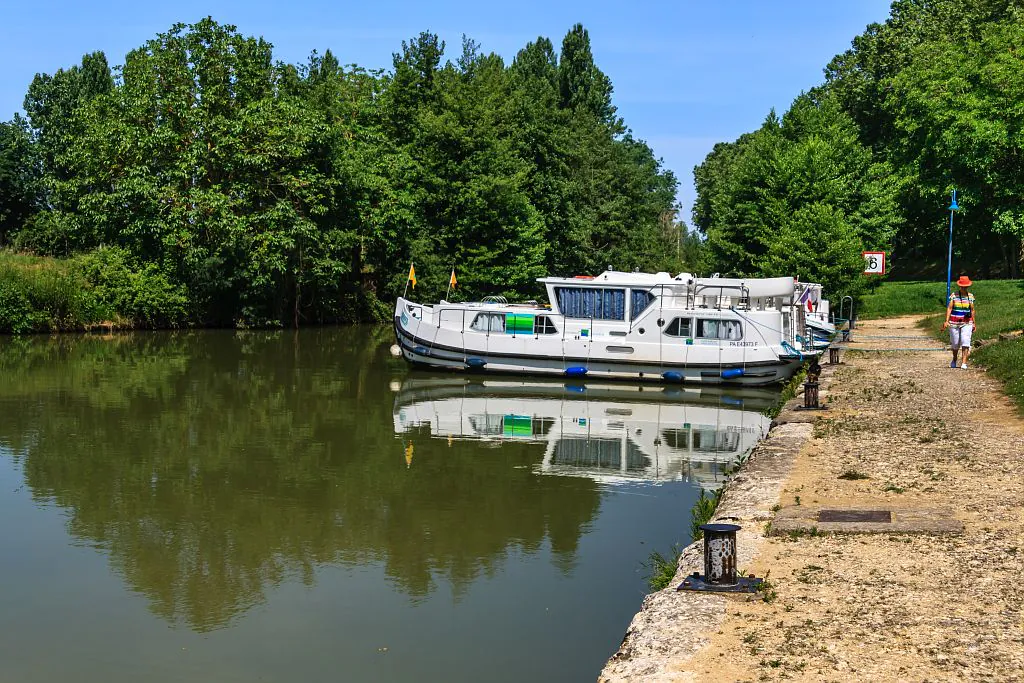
(960, 320)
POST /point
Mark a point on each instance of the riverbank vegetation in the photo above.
(923, 103)
(267, 193)
(105, 287)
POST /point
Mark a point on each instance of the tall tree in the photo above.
(18, 177)
(583, 86)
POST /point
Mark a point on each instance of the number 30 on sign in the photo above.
(874, 262)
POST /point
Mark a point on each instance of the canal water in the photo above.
(279, 506)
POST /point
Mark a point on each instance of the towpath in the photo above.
(904, 433)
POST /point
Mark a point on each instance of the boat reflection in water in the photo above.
(613, 433)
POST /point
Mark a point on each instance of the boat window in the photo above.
(676, 438)
(543, 325)
(579, 451)
(487, 424)
(719, 329)
(640, 300)
(709, 439)
(598, 304)
(680, 327)
(489, 322)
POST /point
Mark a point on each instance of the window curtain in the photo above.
(599, 304)
(720, 329)
(489, 322)
(641, 299)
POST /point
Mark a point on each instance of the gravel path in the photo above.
(907, 431)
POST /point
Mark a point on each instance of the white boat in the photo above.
(606, 433)
(637, 326)
(818, 329)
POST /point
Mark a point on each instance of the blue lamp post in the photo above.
(953, 206)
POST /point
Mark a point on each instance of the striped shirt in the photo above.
(961, 312)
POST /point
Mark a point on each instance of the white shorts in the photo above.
(960, 337)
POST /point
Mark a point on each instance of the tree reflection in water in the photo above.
(211, 465)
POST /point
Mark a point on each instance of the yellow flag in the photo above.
(412, 275)
(452, 282)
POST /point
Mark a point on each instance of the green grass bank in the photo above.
(1000, 308)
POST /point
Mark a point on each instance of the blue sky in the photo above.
(686, 74)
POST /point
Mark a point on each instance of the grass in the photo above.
(853, 475)
(787, 394)
(702, 512)
(999, 303)
(1005, 361)
(662, 569)
(43, 294)
(902, 298)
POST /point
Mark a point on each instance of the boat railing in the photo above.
(743, 302)
(850, 317)
(495, 299)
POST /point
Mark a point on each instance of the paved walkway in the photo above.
(903, 432)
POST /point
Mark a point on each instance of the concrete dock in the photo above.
(922, 576)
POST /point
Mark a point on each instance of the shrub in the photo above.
(142, 295)
(40, 294)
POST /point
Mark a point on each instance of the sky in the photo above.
(686, 74)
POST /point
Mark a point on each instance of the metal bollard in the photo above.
(833, 355)
(720, 553)
(811, 396)
(720, 573)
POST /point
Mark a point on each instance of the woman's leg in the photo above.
(954, 342)
(965, 342)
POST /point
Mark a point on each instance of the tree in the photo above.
(283, 194)
(584, 87)
(18, 177)
(801, 196)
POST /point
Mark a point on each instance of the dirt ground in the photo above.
(903, 430)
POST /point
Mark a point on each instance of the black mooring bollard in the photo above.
(811, 395)
(833, 355)
(720, 573)
(720, 553)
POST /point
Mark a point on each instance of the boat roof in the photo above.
(618, 277)
(752, 286)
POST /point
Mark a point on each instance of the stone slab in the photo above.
(805, 519)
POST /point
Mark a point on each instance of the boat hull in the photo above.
(424, 353)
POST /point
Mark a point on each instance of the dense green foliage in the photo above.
(929, 100)
(104, 287)
(272, 193)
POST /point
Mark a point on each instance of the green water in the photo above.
(224, 506)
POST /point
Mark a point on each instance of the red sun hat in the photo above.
(964, 281)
